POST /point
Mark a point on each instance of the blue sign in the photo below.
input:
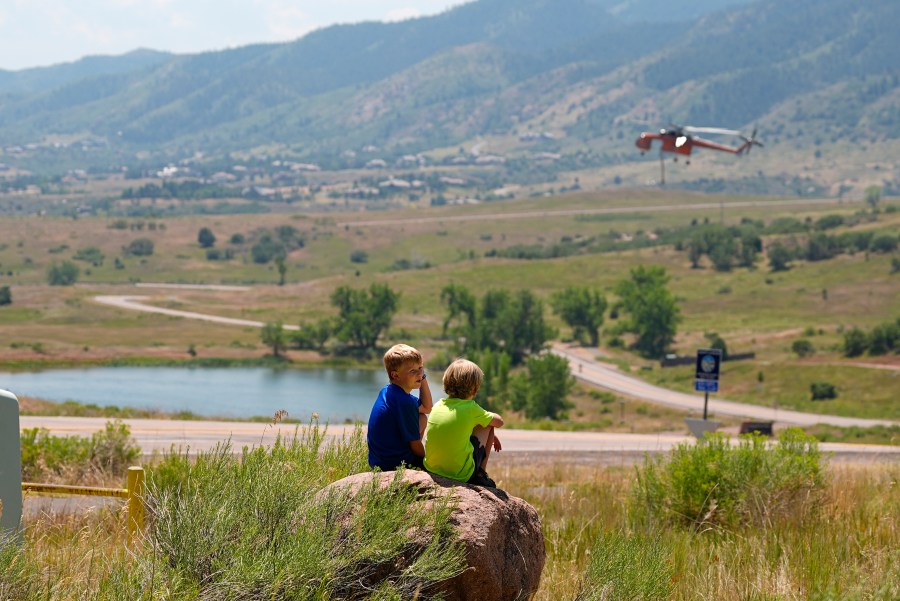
(706, 385)
(708, 362)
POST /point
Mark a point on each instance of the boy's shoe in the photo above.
(481, 478)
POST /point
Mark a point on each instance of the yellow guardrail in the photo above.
(134, 495)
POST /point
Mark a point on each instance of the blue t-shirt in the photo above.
(393, 424)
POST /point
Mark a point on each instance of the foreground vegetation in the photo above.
(712, 521)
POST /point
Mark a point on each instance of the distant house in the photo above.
(376, 164)
(400, 184)
(411, 160)
(305, 167)
(221, 177)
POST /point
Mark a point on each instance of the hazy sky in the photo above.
(45, 32)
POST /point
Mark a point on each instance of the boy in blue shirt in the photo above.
(398, 419)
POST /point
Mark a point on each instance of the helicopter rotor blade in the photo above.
(711, 130)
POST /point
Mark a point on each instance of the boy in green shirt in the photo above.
(460, 434)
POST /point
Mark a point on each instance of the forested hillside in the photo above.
(592, 73)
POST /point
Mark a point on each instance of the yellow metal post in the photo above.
(135, 502)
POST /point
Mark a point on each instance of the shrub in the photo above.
(884, 338)
(803, 347)
(206, 238)
(855, 342)
(89, 254)
(823, 391)
(359, 256)
(884, 243)
(713, 483)
(45, 456)
(267, 249)
(62, 274)
(717, 342)
(829, 222)
(5, 295)
(141, 247)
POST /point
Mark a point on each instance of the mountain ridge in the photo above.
(589, 71)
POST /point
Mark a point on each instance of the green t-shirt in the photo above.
(448, 451)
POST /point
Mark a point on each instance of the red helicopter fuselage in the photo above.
(679, 143)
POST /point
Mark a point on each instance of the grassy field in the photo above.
(752, 309)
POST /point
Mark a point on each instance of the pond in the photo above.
(336, 394)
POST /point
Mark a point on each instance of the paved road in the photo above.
(160, 435)
(586, 368)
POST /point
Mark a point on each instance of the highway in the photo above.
(161, 435)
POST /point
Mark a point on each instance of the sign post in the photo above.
(10, 465)
(707, 374)
(706, 380)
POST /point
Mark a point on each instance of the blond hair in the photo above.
(399, 354)
(462, 379)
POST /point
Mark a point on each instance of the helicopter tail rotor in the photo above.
(749, 143)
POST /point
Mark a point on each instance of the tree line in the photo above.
(503, 331)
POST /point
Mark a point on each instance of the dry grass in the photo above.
(848, 551)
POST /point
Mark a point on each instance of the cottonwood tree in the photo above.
(582, 309)
(653, 314)
(363, 315)
(543, 392)
(461, 306)
(511, 322)
(273, 336)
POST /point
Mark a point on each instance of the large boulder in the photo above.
(504, 544)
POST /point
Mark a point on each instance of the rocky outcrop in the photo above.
(504, 545)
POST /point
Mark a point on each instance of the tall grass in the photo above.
(840, 542)
(252, 525)
(256, 526)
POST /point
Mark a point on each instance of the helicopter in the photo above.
(682, 140)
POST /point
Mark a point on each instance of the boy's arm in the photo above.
(424, 397)
(496, 422)
(417, 448)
